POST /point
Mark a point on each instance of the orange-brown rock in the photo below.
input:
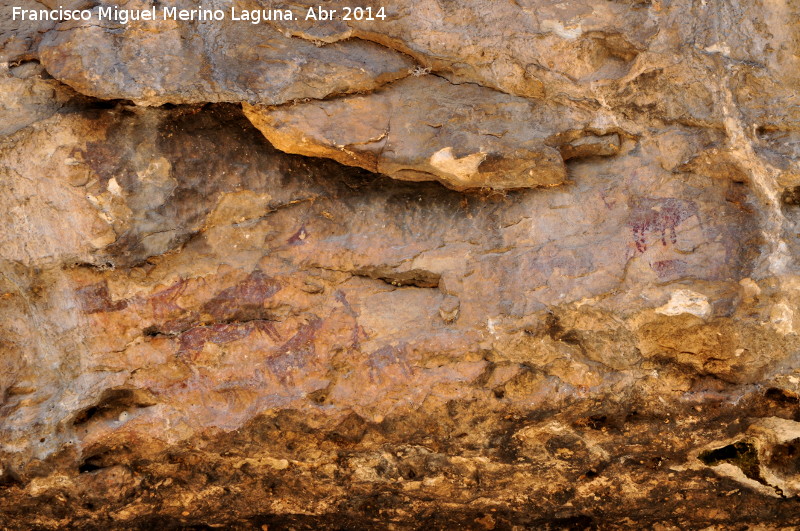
(512, 265)
(425, 128)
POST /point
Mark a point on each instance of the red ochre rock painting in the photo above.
(660, 216)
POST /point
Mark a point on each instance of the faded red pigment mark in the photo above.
(295, 353)
(358, 331)
(193, 340)
(267, 328)
(660, 216)
(96, 299)
(244, 300)
(388, 356)
(669, 268)
(298, 237)
(165, 308)
(609, 204)
(165, 302)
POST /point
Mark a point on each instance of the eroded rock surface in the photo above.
(228, 297)
(425, 128)
(157, 62)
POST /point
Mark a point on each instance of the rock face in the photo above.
(157, 62)
(478, 265)
(464, 136)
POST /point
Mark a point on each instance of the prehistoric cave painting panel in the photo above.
(655, 219)
(95, 298)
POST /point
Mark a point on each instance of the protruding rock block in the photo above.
(163, 61)
(428, 129)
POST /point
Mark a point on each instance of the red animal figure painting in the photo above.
(660, 216)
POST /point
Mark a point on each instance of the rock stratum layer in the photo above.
(480, 265)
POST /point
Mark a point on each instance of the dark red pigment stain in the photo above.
(193, 340)
(295, 353)
(245, 300)
(659, 216)
(165, 308)
(96, 299)
(357, 330)
(299, 237)
(165, 303)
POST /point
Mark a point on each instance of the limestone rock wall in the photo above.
(479, 265)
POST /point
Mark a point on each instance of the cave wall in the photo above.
(480, 265)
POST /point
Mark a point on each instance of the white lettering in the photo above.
(256, 16)
(56, 15)
(320, 13)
